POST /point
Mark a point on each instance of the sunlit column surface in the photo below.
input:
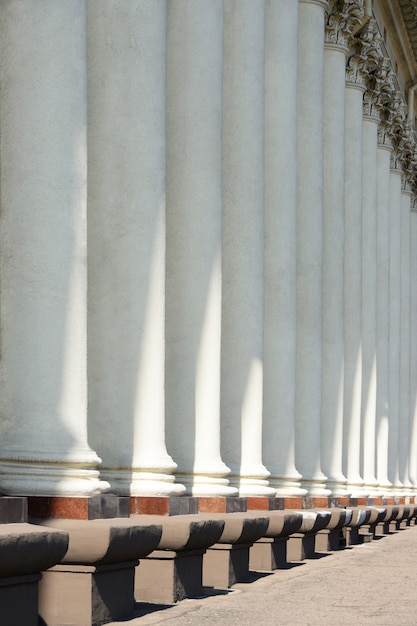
(194, 240)
(243, 245)
(353, 281)
(382, 411)
(394, 327)
(405, 399)
(413, 343)
(340, 19)
(280, 245)
(43, 109)
(369, 213)
(126, 219)
(309, 243)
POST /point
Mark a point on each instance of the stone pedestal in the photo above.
(226, 564)
(168, 576)
(268, 554)
(99, 594)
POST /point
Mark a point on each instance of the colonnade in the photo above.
(208, 245)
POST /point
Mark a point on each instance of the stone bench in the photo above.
(227, 561)
(352, 533)
(94, 581)
(174, 571)
(331, 537)
(270, 551)
(25, 551)
(302, 544)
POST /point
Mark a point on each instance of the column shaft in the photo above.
(309, 243)
(243, 244)
(194, 239)
(353, 286)
(44, 251)
(404, 427)
(413, 344)
(280, 244)
(126, 213)
(394, 327)
(333, 265)
(369, 259)
(382, 315)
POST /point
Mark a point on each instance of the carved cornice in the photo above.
(409, 13)
(342, 17)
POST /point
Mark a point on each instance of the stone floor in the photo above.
(374, 583)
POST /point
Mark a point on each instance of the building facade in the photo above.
(208, 249)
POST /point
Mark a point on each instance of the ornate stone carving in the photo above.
(409, 179)
(365, 55)
(342, 17)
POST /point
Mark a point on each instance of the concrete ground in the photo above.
(374, 583)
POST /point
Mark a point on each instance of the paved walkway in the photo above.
(374, 583)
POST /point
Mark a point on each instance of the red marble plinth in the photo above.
(258, 503)
(149, 505)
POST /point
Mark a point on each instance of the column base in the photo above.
(140, 483)
(248, 487)
(206, 485)
(316, 486)
(34, 478)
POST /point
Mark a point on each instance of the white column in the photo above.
(404, 429)
(382, 412)
(353, 282)
(309, 243)
(126, 219)
(43, 104)
(413, 343)
(194, 239)
(369, 213)
(338, 25)
(243, 245)
(280, 245)
(394, 328)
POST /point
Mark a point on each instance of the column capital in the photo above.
(342, 17)
(365, 55)
(393, 118)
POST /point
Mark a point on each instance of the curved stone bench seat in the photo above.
(94, 583)
(389, 523)
(270, 551)
(25, 551)
(174, 570)
(331, 537)
(376, 517)
(302, 544)
(352, 530)
(227, 561)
